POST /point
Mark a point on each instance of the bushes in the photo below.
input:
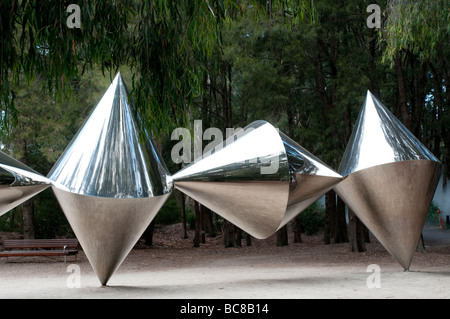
(432, 216)
(12, 221)
(49, 219)
(312, 219)
(169, 212)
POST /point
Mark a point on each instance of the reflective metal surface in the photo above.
(259, 182)
(110, 181)
(108, 228)
(108, 157)
(380, 138)
(18, 183)
(390, 179)
(392, 200)
(309, 178)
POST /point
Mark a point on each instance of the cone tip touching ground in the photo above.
(111, 182)
(390, 179)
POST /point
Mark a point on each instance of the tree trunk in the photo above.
(183, 215)
(269, 9)
(248, 240)
(442, 118)
(28, 219)
(238, 237)
(282, 236)
(28, 206)
(207, 221)
(197, 224)
(148, 234)
(373, 76)
(340, 233)
(421, 245)
(366, 233)
(229, 236)
(180, 198)
(230, 95)
(330, 213)
(297, 230)
(356, 233)
(402, 92)
(420, 100)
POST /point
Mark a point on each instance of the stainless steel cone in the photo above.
(389, 179)
(110, 181)
(259, 181)
(18, 183)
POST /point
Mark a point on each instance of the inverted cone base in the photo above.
(392, 200)
(260, 219)
(108, 228)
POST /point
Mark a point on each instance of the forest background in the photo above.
(304, 66)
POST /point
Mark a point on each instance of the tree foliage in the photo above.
(421, 27)
(162, 41)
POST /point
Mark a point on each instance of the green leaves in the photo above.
(164, 41)
(421, 27)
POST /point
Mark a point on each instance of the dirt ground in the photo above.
(173, 269)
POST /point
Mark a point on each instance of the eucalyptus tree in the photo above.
(416, 36)
(162, 41)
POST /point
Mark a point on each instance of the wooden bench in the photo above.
(40, 247)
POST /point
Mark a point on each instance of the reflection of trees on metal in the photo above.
(389, 179)
(110, 182)
(18, 183)
(259, 182)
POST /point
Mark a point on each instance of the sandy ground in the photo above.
(173, 269)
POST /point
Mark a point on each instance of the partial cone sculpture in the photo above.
(110, 181)
(18, 183)
(389, 179)
(258, 180)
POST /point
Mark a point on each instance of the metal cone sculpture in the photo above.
(110, 181)
(18, 183)
(259, 181)
(389, 179)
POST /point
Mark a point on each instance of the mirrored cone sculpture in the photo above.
(110, 182)
(258, 181)
(389, 179)
(18, 183)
